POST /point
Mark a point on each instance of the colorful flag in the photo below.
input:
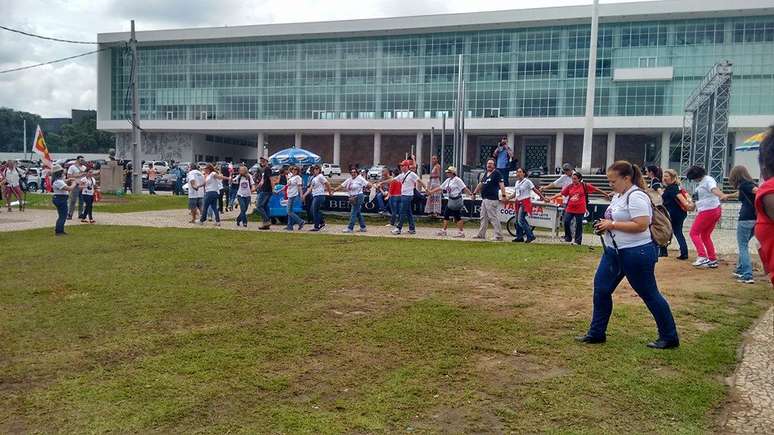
(41, 149)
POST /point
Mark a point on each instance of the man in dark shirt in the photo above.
(264, 193)
(491, 187)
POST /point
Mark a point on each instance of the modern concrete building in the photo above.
(366, 91)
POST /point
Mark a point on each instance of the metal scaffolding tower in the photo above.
(705, 123)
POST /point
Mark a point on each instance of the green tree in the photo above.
(12, 130)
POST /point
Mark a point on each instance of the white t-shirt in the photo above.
(212, 183)
(59, 186)
(408, 183)
(318, 185)
(355, 185)
(197, 177)
(618, 211)
(294, 185)
(12, 177)
(245, 185)
(88, 185)
(563, 181)
(523, 188)
(707, 199)
(74, 170)
(453, 187)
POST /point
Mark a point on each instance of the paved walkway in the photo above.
(725, 240)
(752, 395)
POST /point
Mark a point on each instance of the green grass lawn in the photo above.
(180, 330)
(119, 204)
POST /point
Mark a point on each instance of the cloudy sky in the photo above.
(53, 90)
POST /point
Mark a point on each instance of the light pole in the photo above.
(591, 81)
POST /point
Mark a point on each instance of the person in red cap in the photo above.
(409, 181)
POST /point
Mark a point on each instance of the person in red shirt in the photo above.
(394, 198)
(764, 205)
(577, 194)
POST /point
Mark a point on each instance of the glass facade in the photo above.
(524, 72)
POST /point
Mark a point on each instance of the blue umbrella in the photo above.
(294, 156)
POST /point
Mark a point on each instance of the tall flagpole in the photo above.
(591, 81)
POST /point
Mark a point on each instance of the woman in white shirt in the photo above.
(354, 187)
(523, 193)
(88, 186)
(709, 211)
(294, 196)
(213, 182)
(318, 187)
(453, 187)
(245, 187)
(629, 252)
(61, 189)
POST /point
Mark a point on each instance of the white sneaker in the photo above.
(441, 233)
(746, 281)
(346, 230)
(712, 264)
(700, 261)
(737, 275)
(388, 225)
(460, 235)
(479, 237)
(395, 232)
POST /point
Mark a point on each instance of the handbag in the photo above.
(684, 193)
(455, 203)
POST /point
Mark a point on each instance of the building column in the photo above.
(558, 150)
(377, 148)
(337, 148)
(610, 149)
(666, 139)
(418, 151)
(298, 141)
(261, 148)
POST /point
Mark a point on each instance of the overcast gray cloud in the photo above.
(55, 89)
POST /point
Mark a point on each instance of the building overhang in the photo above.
(490, 20)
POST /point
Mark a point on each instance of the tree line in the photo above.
(82, 137)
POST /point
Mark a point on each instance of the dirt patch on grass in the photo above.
(509, 371)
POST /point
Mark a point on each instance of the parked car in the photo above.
(330, 170)
(160, 166)
(33, 176)
(375, 172)
(25, 163)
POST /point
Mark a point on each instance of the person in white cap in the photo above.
(61, 189)
(453, 187)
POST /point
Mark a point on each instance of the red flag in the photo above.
(41, 149)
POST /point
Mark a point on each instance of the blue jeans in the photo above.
(523, 227)
(568, 218)
(293, 218)
(60, 202)
(406, 212)
(262, 206)
(88, 207)
(637, 264)
(394, 209)
(380, 202)
(355, 214)
(210, 204)
(504, 173)
(151, 187)
(244, 203)
(232, 194)
(744, 232)
(317, 202)
(677, 220)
